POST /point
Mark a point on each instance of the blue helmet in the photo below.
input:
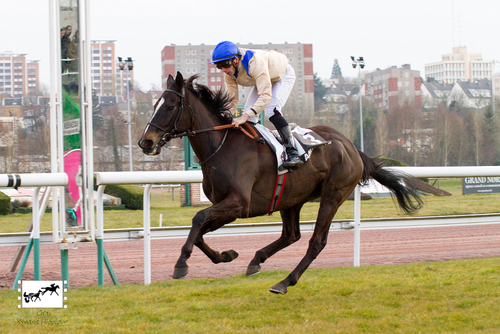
(224, 51)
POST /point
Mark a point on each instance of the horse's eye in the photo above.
(170, 108)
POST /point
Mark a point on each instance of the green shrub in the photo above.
(131, 195)
(4, 204)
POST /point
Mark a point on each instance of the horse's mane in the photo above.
(217, 102)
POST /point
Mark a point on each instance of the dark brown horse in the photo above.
(239, 176)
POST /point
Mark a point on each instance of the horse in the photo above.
(239, 175)
(52, 288)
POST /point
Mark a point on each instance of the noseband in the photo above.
(169, 134)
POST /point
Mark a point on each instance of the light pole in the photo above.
(129, 66)
(361, 63)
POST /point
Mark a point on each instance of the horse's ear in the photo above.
(170, 80)
(179, 80)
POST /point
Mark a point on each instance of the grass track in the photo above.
(450, 297)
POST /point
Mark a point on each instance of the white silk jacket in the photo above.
(257, 68)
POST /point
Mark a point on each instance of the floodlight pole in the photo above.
(361, 63)
(129, 65)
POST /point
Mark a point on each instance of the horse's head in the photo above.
(168, 118)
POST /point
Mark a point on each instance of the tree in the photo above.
(336, 70)
(319, 92)
(97, 120)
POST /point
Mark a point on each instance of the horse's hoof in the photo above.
(252, 270)
(278, 288)
(180, 273)
(229, 255)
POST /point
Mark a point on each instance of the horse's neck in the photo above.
(204, 144)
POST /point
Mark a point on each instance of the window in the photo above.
(193, 61)
(212, 70)
(193, 52)
(193, 70)
(218, 79)
(290, 51)
(188, 61)
(187, 52)
(188, 70)
(285, 51)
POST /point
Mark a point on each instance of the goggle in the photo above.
(224, 64)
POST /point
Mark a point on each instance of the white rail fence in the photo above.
(150, 178)
(176, 177)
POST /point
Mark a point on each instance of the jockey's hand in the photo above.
(240, 120)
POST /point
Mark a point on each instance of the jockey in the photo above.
(272, 79)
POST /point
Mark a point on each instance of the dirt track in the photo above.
(378, 247)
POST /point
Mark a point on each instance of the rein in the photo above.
(169, 134)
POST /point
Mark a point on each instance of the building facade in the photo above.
(460, 66)
(18, 76)
(106, 77)
(193, 59)
(394, 86)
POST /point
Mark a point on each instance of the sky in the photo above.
(384, 32)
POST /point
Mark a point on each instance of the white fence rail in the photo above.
(176, 177)
(150, 178)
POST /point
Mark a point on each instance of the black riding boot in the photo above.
(293, 161)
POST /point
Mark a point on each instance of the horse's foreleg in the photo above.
(215, 256)
(290, 234)
(205, 221)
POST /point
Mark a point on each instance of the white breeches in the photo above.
(281, 91)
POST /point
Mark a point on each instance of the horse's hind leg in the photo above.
(289, 235)
(330, 202)
(204, 221)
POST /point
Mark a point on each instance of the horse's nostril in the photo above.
(145, 144)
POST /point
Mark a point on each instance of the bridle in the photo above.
(171, 133)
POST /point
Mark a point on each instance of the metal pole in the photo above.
(147, 234)
(99, 235)
(357, 221)
(129, 124)
(36, 233)
(360, 111)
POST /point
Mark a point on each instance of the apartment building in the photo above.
(193, 59)
(18, 76)
(460, 66)
(106, 77)
(394, 86)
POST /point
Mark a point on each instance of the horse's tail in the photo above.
(401, 184)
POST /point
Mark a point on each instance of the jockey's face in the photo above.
(231, 69)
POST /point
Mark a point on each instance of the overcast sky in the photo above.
(384, 32)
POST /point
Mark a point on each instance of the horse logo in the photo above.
(34, 294)
(52, 288)
(29, 296)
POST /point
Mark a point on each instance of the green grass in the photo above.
(449, 297)
(174, 215)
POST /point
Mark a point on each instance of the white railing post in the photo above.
(357, 222)
(99, 235)
(147, 234)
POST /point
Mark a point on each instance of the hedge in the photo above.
(131, 195)
(4, 204)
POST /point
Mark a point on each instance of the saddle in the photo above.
(306, 140)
